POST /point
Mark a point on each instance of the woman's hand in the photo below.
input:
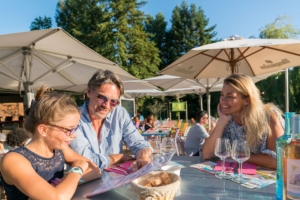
(222, 116)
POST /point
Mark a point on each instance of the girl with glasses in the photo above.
(27, 172)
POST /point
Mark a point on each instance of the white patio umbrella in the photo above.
(235, 55)
(171, 83)
(52, 57)
(197, 86)
(137, 93)
(194, 90)
(128, 85)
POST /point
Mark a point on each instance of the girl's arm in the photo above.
(24, 177)
(92, 172)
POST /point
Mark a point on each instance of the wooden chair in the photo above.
(182, 131)
(186, 131)
(178, 140)
(178, 125)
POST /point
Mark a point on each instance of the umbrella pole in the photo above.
(136, 105)
(200, 101)
(29, 95)
(287, 90)
(208, 107)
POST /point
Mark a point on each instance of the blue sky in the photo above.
(241, 17)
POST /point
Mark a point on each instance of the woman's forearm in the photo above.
(209, 144)
(263, 160)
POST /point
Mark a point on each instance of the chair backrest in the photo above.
(8, 118)
(175, 140)
(184, 127)
(21, 118)
(186, 131)
(179, 123)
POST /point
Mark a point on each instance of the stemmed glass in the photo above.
(157, 156)
(240, 152)
(167, 145)
(222, 150)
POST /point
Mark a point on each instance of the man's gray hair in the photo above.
(105, 77)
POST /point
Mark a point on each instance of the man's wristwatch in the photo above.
(76, 170)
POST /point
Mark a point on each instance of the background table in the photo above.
(164, 132)
(195, 184)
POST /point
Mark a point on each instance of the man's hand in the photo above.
(143, 158)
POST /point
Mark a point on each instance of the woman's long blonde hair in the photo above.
(256, 115)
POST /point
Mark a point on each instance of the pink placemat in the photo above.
(123, 168)
(247, 168)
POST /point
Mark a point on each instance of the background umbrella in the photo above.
(137, 93)
(201, 88)
(235, 55)
(52, 57)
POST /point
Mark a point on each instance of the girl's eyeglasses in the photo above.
(102, 99)
(67, 131)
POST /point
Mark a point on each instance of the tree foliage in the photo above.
(189, 29)
(279, 29)
(113, 28)
(273, 86)
(40, 23)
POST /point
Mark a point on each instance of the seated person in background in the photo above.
(17, 138)
(197, 134)
(243, 115)
(192, 121)
(28, 171)
(135, 120)
(104, 125)
(140, 116)
(149, 123)
(3, 148)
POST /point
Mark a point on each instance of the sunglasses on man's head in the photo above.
(102, 99)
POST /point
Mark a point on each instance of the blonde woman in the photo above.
(244, 116)
(29, 172)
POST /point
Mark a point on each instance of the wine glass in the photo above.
(167, 145)
(240, 152)
(222, 150)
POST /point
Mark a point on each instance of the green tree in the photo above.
(273, 86)
(189, 29)
(113, 28)
(279, 29)
(157, 27)
(40, 23)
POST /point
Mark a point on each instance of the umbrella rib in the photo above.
(251, 54)
(245, 58)
(74, 57)
(47, 63)
(296, 54)
(11, 56)
(213, 58)
(16, 76)
(44, 36)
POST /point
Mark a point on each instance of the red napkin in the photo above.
(247, 168)
(123, 168)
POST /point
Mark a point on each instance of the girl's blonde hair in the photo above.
(50, 108)
(256, 115)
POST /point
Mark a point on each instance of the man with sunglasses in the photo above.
(104, 125)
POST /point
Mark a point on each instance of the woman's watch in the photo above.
(76, 170)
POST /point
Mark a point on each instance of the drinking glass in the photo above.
(240, 152)
(167, 145)
(222, 150)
